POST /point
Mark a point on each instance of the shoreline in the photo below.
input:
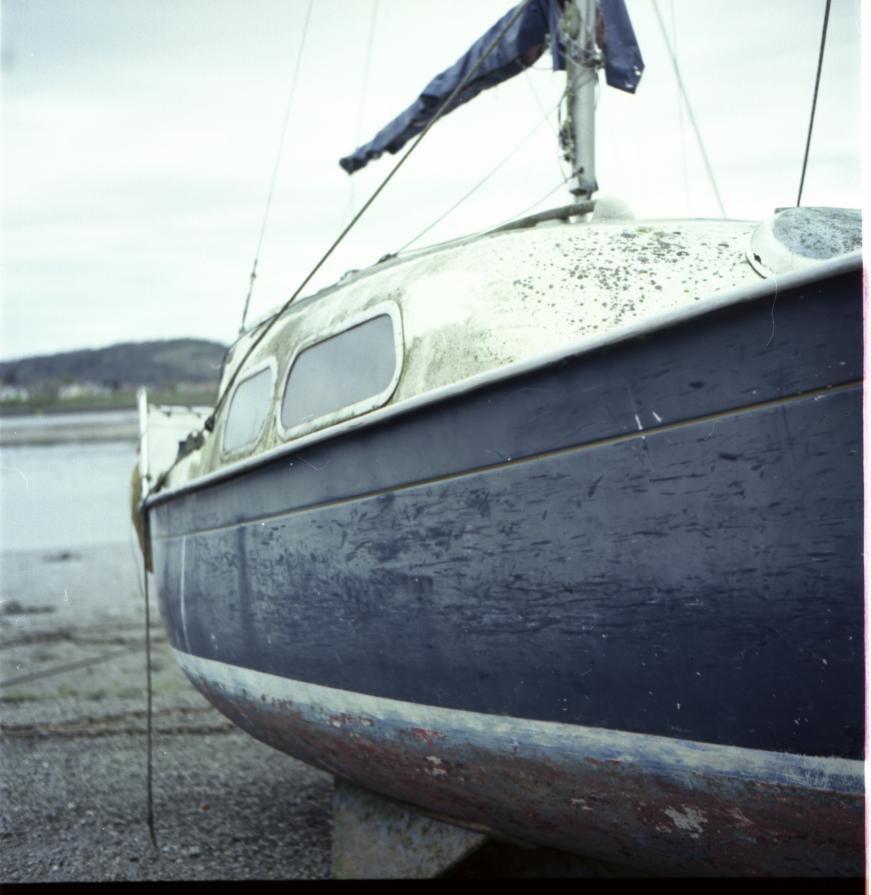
(69, 426)
(69, 436)
(15, 411)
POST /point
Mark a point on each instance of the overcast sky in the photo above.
(139, 140)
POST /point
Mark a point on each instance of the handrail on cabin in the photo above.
(562, 213)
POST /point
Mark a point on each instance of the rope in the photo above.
(810, 129)
(482, 181)
(210, 422)
(692, 117)
(293, 83)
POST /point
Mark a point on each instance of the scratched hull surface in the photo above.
(661, 538)
(656, 804)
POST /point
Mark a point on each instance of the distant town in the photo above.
(95, 393)
(180, 371)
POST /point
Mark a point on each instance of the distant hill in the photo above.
(161, 363)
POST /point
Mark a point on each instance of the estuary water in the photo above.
(67, 543)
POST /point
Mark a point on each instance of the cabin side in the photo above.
(413, 326)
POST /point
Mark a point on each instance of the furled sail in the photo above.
(520, 46)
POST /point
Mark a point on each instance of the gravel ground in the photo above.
(73, 759)
(73, 753)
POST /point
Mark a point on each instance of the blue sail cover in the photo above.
(519, 48)
(623, 62)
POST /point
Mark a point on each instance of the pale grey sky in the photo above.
(139, 140)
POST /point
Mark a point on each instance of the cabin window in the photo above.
(249, 409)
(353, 371)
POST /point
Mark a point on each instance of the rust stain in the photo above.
(684, 824)
(426, 736)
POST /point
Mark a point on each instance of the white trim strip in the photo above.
(672, 755)
(648, 325)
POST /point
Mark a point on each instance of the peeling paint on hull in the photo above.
(612, 605)
(654, 803)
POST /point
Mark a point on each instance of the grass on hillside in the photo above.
(123, 399)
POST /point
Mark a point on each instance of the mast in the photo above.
(583, 61)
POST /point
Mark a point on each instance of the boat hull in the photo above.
(655, 543)
(652, 804)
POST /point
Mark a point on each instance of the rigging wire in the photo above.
(210, 422)
(810, 128)
(364, 85)
(366, 67)
(681, 121)
(495, 227)
(275, 168)
(689, 108)
(534, 205)
(555, 128)
(482, 181)
(538, 101)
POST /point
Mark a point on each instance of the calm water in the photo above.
(66, 539)
(56, 420)
(65, 496)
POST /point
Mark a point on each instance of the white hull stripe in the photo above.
(670, 755)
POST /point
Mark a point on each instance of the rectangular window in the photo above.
(355, 366)
(248, 411)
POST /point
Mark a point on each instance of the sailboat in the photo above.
(553, 531)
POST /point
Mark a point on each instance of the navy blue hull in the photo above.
(661, 537)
